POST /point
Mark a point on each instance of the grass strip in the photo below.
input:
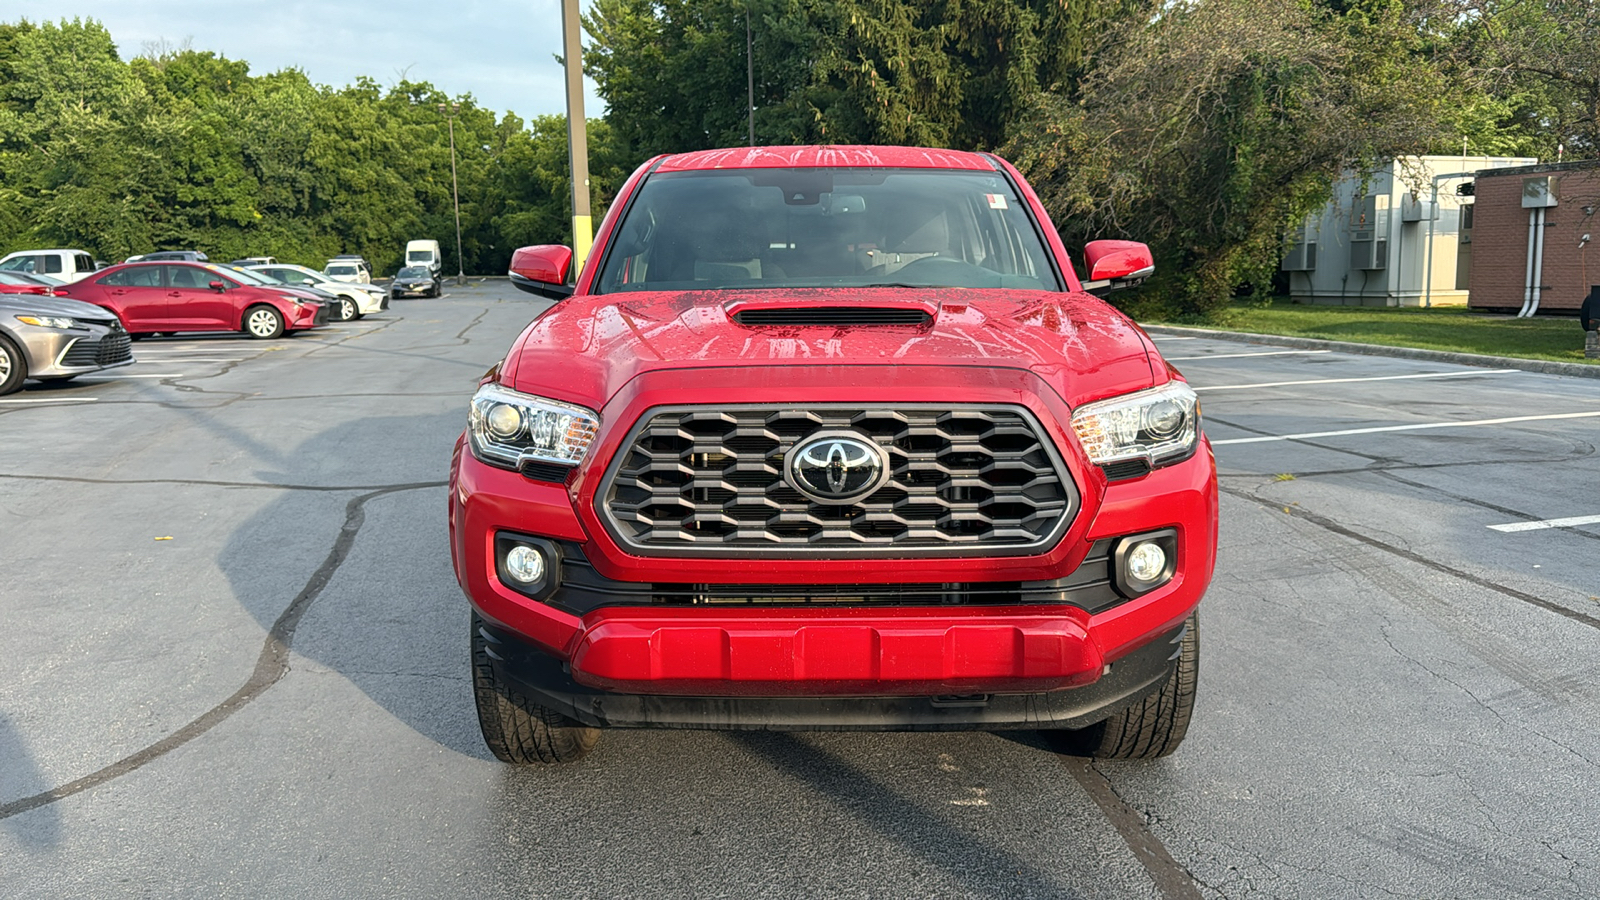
(1451, 329)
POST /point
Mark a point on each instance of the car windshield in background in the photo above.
(341, 270)
(244, 275)
(414, 272)
(419, 256)
(784, 228)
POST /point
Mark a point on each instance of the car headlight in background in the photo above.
(507, 428)
(1160, 425)
(48, 321)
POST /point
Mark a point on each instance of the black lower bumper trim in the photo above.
(546, 681)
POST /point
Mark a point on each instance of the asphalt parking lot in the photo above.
(233, 658)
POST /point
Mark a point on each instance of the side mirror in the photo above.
(1114, 265)
(542, 269)
(58, 292)
(218, 286)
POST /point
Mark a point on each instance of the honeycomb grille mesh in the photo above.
(962, 480)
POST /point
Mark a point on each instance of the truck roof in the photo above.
(825, 155)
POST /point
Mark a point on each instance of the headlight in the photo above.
(48, 321)
(507, 428)
(292, 299)
(1161, 425)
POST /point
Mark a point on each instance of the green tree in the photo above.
(1206, 130)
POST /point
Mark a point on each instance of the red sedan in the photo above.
(166, 297)
(18, 283)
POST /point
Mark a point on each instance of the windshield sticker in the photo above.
(996, 201)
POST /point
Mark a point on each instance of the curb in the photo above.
(1576, 370)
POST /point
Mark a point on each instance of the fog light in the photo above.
(1146, 561)
(525, 564)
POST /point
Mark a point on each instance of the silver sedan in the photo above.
(56, 339)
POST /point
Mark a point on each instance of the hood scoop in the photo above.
(833, 315)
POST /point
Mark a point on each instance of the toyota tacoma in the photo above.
(827, 438)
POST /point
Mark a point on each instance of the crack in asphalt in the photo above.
(1330, 525)
(1386, 466)
(1173, 880)
(271, 665)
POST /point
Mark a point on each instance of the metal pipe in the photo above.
(1527, 278)
(1538, 267)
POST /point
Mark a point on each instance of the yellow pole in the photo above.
(577, 139)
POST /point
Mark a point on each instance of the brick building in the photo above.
(1513, 211)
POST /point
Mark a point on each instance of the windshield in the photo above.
(781, 228)
(419, 256)
(413, 272)
(245, 275)
(341, 270)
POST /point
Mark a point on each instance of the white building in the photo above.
(1392, 238)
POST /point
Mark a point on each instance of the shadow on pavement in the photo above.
(20, 777)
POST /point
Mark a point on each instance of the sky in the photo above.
(499, 51)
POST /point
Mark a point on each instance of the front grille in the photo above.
(834, 315)
(114, 348)
(968, 480)
(321, 315)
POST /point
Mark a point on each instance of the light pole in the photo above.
(450, 110)
(577, 139)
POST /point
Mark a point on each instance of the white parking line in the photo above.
(54, 400)
(1267, 384)
(1168, 337)
(1243, 355)
(1546, 523)
(130, 375)
(1419, 427)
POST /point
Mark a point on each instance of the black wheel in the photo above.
(438, 292)
(263, 322)
(347, 310)
(13, 367)
(517, 730)
(1152, 727)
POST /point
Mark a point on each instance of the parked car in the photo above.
(169, 256)
(66, 265)
(255, 261)
(354, 300)
(56, 339)
(19, 283)
(164, 298)
(424, 253)
(303, 291)
(872, 456)
(414, 280)
(353, 270)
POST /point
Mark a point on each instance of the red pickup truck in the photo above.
(832, 438)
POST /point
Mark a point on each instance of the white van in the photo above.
(424, 253)
(63, 265)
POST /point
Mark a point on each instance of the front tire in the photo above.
(1152, 727)
(517, 730)
(347, 310)
(263, 322)
(13, 367)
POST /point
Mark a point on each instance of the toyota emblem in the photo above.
(837, 467)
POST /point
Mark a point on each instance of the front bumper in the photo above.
(412, 290)
(57, 352)
(546, 680)
(635, 657)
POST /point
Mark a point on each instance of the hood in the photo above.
(586, 348)
(25, 304)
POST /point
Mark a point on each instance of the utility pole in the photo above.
(577, 138)
(450, 110)
(750, 73)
